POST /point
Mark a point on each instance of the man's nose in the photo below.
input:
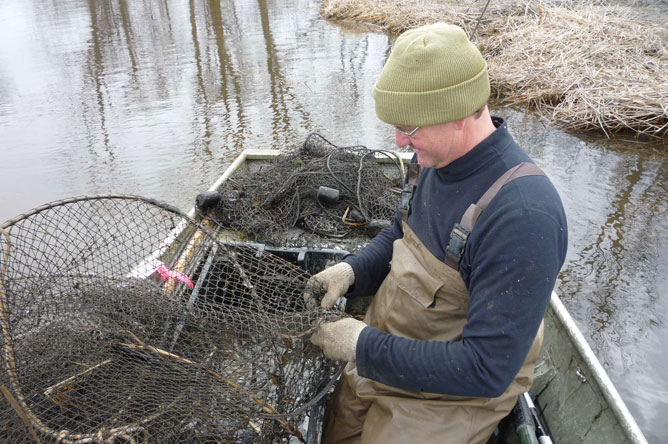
(401, 139)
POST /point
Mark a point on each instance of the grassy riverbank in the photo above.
(583, 66)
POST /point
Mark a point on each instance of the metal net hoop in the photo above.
(125, 321)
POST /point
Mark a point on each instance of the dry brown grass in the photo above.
(395, 16)
(584, 67)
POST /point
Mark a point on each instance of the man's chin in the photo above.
(422, 160)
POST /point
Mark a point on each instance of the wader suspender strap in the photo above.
(462, 230)
(407, 193)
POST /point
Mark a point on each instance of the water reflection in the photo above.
(96, 73)
(157, 97)
(619, 253)
(230, 82)
(611, 255)
(615, 278)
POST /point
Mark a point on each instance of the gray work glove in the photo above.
(336, 280)
(338, 339)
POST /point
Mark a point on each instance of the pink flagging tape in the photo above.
(166, 273)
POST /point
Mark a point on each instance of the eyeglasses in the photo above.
(407, 133)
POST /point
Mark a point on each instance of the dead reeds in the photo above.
(584, 67)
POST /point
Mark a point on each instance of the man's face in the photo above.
(435, 145)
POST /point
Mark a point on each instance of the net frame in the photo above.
(200, 237)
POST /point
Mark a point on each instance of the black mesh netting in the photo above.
(332, 192)
(123, 322)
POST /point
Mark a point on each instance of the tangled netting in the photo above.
(333, 192)
(123, 322)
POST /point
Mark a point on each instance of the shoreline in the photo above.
(584, 68)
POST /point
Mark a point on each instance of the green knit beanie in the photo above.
(433, 75)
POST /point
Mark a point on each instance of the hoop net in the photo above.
(123, 321)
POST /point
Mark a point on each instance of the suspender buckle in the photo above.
(406, 197)
(455, 249)
(412, 178)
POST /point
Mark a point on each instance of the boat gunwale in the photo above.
(603, 381)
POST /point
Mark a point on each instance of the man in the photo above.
(455, 326)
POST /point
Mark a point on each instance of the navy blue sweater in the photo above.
(509, 266)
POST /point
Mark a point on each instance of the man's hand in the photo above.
(338, 339)
(335, 280)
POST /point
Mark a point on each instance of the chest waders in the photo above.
(424, 298)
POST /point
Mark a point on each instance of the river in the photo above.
(156, 98)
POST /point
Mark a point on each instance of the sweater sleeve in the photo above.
(515, 264)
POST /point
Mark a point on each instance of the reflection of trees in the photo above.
(201, 90)
(359, 53)
(229, 77)
(279, 88)
(96, 68)
(127, 32)
(131, 39)
(607, 279)
(230, 85)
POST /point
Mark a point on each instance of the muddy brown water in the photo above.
(156, 98)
